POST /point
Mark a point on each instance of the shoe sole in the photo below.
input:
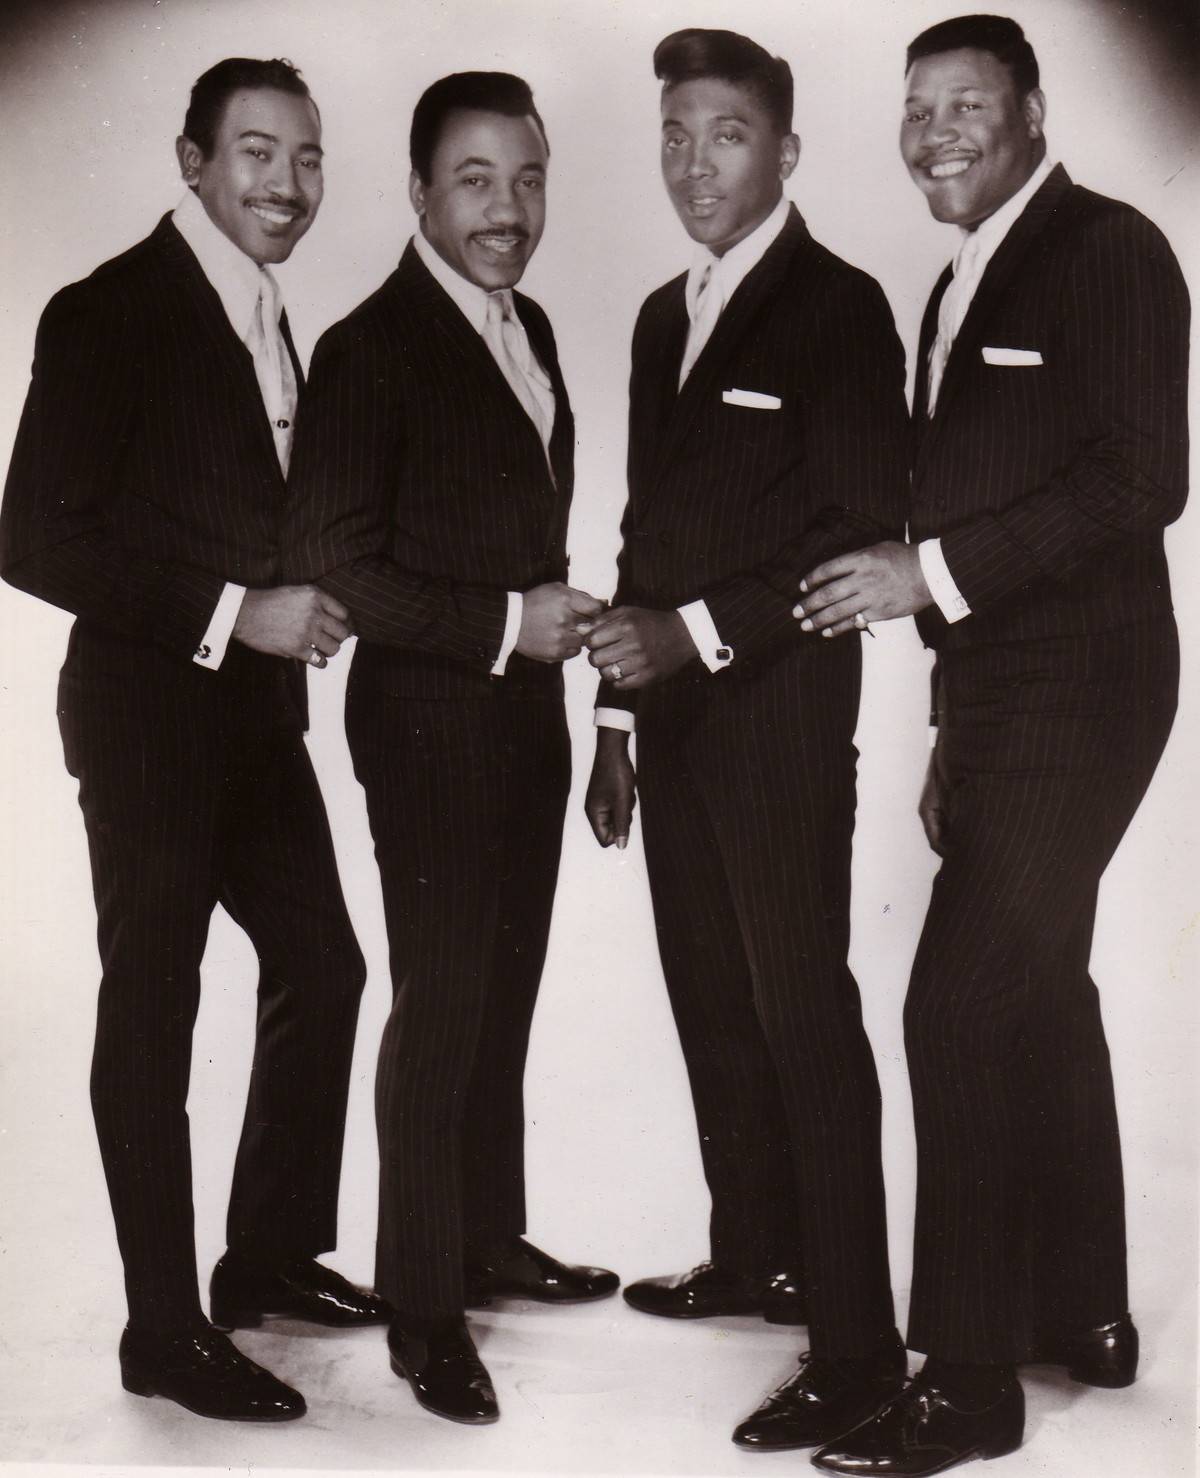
(486, 1300)
(775, 1316)
(137, 1387)
(225, 1319)
(966, 1457)
(465, 1421)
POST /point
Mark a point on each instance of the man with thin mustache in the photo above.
(146, 495)
(432, 483)
(1050, 450)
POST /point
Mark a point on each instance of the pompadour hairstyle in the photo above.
(686, 55)
(996, 34)
(485, 92)
(215, 87)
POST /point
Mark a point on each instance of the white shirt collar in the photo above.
(990, 233)
(738, 261)
(235, 276)
(468, 297)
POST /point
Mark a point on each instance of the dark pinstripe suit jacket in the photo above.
(144, 474)
(734, 504)
(421, 490)
(1050, 485)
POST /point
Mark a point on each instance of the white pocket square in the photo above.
(1011, 356)
(754, 399)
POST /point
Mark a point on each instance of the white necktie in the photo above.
(273, 366)
(509, 345)
(951, 312)
(709, 301)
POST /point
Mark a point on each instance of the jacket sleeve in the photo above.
(349, 440)
(1121, 352)
(56, 540)
(854, 470)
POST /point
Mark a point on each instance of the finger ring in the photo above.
(314, 657)
(861, 621)
(615, 672)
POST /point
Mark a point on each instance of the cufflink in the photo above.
(203, 652)
(724, 655)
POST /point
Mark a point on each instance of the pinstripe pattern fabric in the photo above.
(1049, 488)
(421, 491)
(144, 476)
(747, 777)
(422, 495)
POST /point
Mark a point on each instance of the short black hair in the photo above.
(483, 92)
(686, 55)
(996, 34)
(215, 87)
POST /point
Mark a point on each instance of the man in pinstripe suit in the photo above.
(432, 484)
(766, 433)
(1050, 449)
(145, 495)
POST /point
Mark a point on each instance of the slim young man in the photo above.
(767, 427)
(432, 483)
(1050, 443)
(146, 495)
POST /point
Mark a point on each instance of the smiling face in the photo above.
(723, 160)
(483, 207)
(968, 140)
(262, 184)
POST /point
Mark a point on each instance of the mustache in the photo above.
(518, 231)
(276, 202)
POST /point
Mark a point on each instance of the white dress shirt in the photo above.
(975, 251)
(472, 302)
(237, 280)
(727, 274)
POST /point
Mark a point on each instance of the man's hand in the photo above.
(293, 621)
(553, 620)
(634, 647)
(875, 584)
(932, 806)
(612, 791)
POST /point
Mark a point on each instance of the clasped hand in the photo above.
(293, 621)
(879, 583)
(634, 647)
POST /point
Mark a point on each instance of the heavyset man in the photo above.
(1050, 449)
(767, 433)
(146, 495)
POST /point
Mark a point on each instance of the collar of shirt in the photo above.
(990, 233)
(468, 297)
(738, 261)
(234, 275)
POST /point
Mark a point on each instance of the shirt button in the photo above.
(283, 425)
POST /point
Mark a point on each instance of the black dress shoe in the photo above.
(709, 1290)
(823, 1400)
(206, 1373)
(922, 1431)
(439, 1361)
(242, 1292)
(1105, 1356)
(525, 1271)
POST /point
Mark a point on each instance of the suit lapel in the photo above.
(1008, 260)
(756, 289)
(217, 338)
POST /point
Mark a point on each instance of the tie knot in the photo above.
(967, 253)
(499, 306)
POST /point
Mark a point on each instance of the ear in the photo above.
(789, 154)
(416, 192)
(190, 159)
(1033, 107)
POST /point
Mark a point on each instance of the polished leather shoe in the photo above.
(1104, 1356)
(822, 1400)
(525, 1271)
(242, 1292)
(709, 1290)
(206, 1373)
(439, 1360)
(923, 1431)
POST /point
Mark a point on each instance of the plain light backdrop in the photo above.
(91, 100)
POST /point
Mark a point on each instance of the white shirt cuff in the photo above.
(211, 651)
(614, 718)
(512, 630)
(713, 652)
(948, 598)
